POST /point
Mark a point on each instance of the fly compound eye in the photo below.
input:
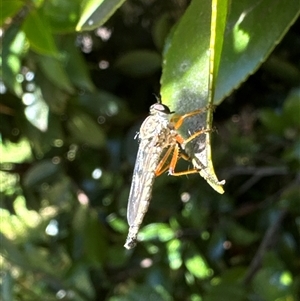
(159, 107)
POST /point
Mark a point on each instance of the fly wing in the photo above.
(142, 180)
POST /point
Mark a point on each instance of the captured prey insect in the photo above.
(158, 138)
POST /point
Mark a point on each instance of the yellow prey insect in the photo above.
(158, 133)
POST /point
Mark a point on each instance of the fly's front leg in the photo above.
(177, 121)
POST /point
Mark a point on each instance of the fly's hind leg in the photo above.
(175, 156)
(162, 167)
(178, 121)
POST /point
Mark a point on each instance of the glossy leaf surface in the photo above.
(97, 12)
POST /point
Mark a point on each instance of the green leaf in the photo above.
(197, 266)
(90, 241)
(40, 173)
(138, 63)
(218, 23)
(228, 292)
(55, 97)
(144, 292)
(94, 239)
(85, 130)
(38, 33)
(62, 15)
(15, 152)
(245, 46)
(13, 48)
(283, 70)
(117, 224)
(161, 29)
(76, 66)
(10, 248)
(239, 234)
(279, 122)
(233, 275)
(9, 8)
(36, 110)
(81, 280)
(53, 69)
(97, 12)
(272, 284)
(158, 230)
(272, 120)
(41, 142)
(185, 78)
(291, 109)
(186, 62)
(105, 104)
(174, 254)
(228, 286)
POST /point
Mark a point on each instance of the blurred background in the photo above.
(67, 155)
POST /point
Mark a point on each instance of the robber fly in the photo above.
(158, 138)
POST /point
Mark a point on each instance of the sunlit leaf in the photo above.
(174, 254)
(62, 15)
(29, 218)
(185, 79)
(117, 224)
(15, 152)
(197, 266)
(160, 231)
(245, 47)
(37, 110)
(13, 49)
(97, 12)
(218, 23)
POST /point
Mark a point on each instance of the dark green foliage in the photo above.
(71, 104)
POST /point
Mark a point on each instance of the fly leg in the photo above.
(162, 167)
(178, 120)
(176, 154)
